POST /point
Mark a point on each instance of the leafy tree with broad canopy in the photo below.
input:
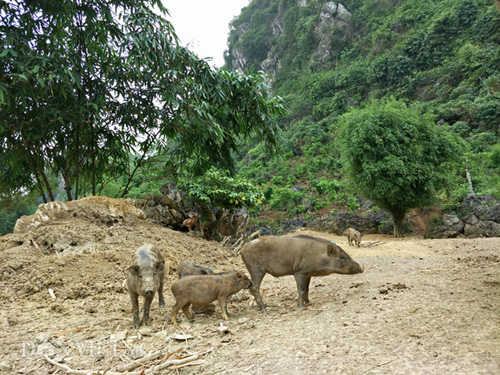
(92, 90)
(396, 156)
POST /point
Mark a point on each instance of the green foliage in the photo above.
(12, 207)
(328, 188)
(95, 91)
(218, 189)
(284, 198)
(395, 155)
(442, 55)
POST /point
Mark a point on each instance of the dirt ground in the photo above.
(421, 306)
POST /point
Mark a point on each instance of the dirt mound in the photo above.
(82, 248)
(421, 306)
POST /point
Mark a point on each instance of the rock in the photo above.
(493, 214)
(339, 222)
(470, 219)
(482, 229)
(333, 17)
(233, 224)
(169, 202)
(293, 225)
(265, 231)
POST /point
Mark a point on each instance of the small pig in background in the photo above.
(145, 278)
(353, 236)
(199, 290)
(190, 222)
(187, 268)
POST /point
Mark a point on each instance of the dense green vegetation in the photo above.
(97, 97)
(101, 100)
(440, 56)
(395, 156)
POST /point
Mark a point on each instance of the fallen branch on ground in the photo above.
(138, 362)
(79, 372)
(371, 243)
(172, 364)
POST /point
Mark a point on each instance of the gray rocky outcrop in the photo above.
(479, 216)
(334, 17)
(338, 223)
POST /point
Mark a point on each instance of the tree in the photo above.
(218, 189)
(90, 90)
(396, 156)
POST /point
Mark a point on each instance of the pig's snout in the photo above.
(149, 292)
(357, 268)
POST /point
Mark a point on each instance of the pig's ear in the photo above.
(331, 250)
(160, 265)
(134, 270)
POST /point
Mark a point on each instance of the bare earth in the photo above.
(421, 306)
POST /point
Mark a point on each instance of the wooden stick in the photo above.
(79, 372)
(68, 331)
(254, 234)
(138, 362)
(173, 362)
(168, 355)
(193, 363)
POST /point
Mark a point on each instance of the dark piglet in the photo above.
(187, 268)
(145, 278)
(199, 290)
(301, 256)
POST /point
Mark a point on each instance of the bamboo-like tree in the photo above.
(91, 89)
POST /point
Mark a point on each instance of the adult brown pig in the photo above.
(199, 290)
(145, 278)
(187, 268)
(301, 256)
(353, 236)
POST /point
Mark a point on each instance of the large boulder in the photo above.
(482, 229)
(161, 210)
(233, 223)
(450, 227)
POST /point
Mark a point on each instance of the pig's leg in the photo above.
(160, 292)
(302, 286)
(306, 292)
(134, 297)
(178, 305)
(173, 315)
(186, 311)
(147, 305)
(223, 307)
(257, 275)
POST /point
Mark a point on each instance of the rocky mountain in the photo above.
(326, 58)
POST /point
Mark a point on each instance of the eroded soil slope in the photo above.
(420, 307)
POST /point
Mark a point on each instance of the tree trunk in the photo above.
(469, 178)
(398, 217)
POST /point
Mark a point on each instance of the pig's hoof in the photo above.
(162, 304)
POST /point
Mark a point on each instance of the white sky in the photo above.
(203, 25)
